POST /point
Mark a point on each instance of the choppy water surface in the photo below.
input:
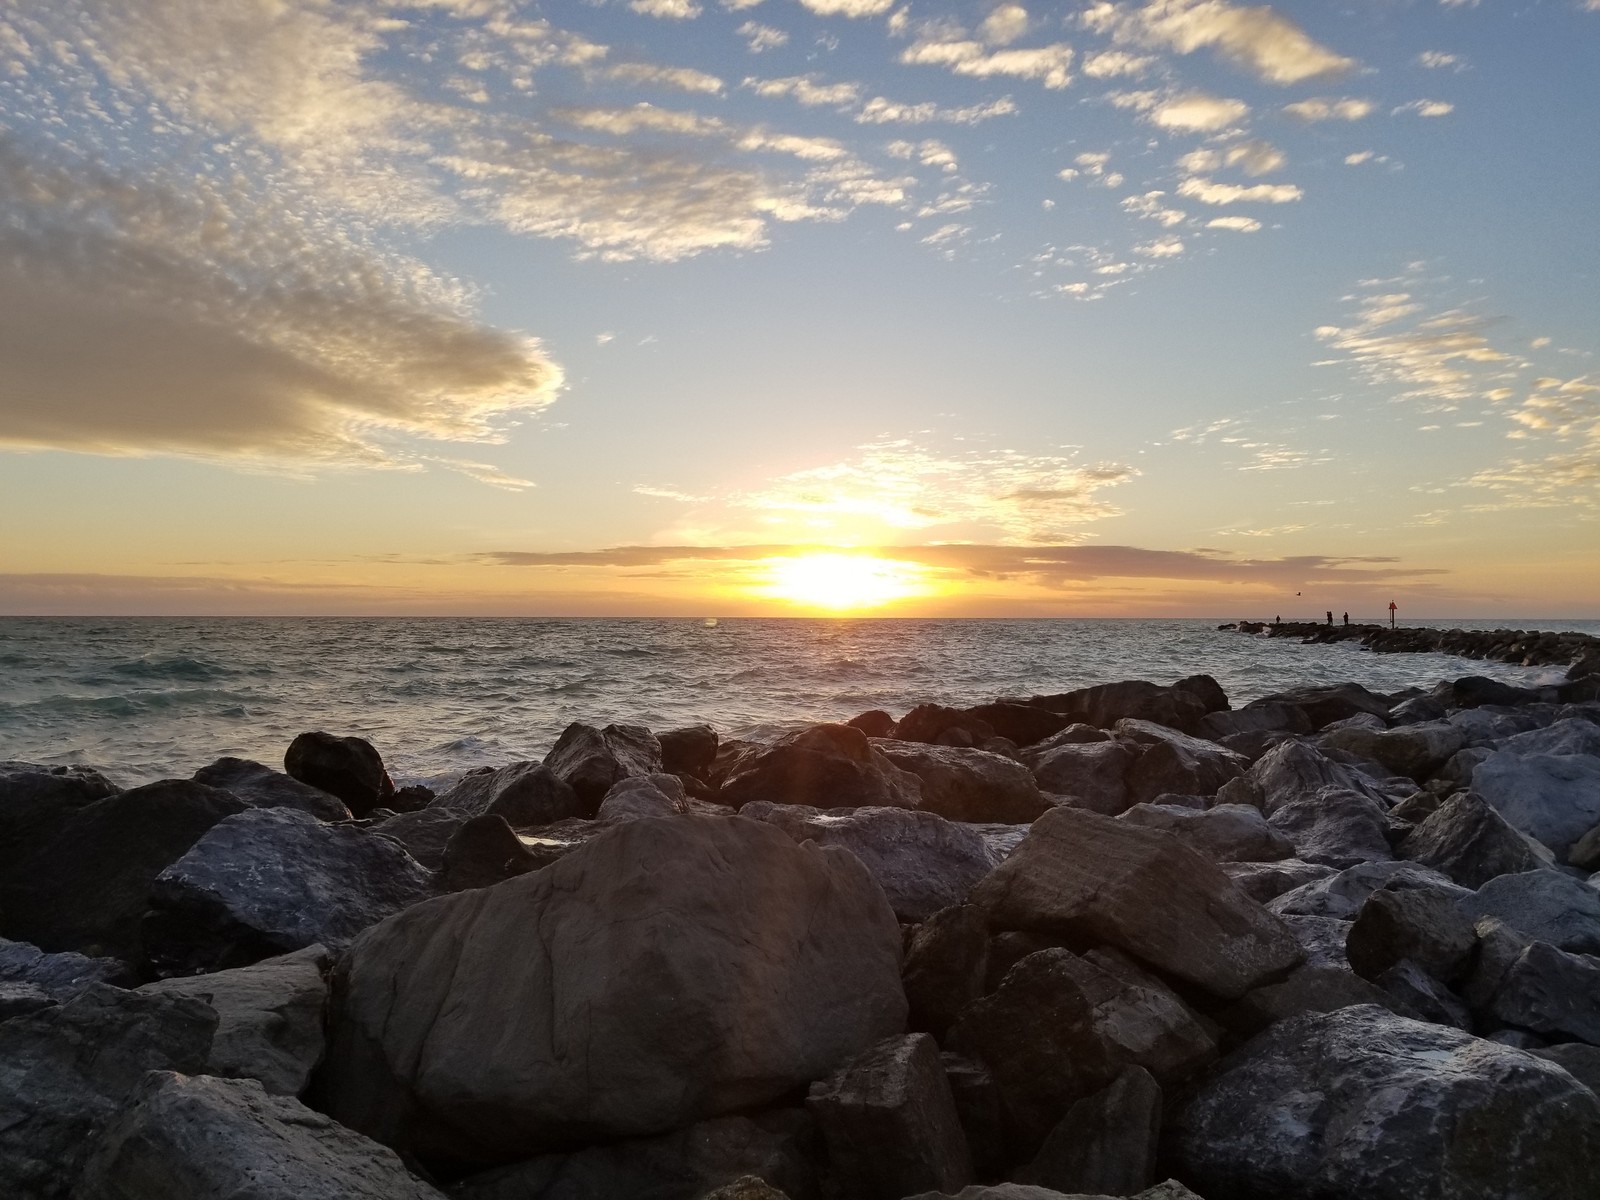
(147, 698)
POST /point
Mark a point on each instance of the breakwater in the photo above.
(1523, 647)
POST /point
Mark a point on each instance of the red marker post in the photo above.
(1391, 614)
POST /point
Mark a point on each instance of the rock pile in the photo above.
(1330, 944)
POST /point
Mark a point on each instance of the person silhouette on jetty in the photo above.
(1347, 618)
(1330, 616)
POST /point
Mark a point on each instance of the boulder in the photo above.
(1551, 992)
(874, 723)
(1334, 826)
(1499, 947)
(1471, 691)
(1585, 852)
(591, 760)
(1022, 724)
(1490, 726)
(923, 862)
(1570, 735)
(889, 1122)
(935, 724)
(482, 852)
(1324, 705)
(1313, 988)
(1296, 770)
(84, 886)
(826, 766)
(688, 751)
(184, 1138)
(968, 785)
(1579, 1059)
(424, 833)
(59, 976)
(526, 794)
(347, 767)
(1175, 762)
(947, 964)
(271, 880)
(34, 798)
(1360, 1102)
(1264, 881)
(1143, 891)
(1170, 1190)
(637, 796)
(260, 786)
(1416, 751)
(1255, 717)
(777, 1147)
(1545, 905)
(1107, 1142)
(1552, 797)
(1060, 1028)
(1226, 833)
(1094, 772)
(667, 971)
(1342, 895)
(746, 1187)
(1322, 938)
(1107, 703)
(1423, 925)
(1417, 993)
(1469, 841)
(67, 1069)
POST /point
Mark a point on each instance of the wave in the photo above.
(178, 666)
(126, 704)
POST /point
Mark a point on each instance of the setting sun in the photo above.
(842, 581)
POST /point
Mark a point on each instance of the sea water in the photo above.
(146, 698)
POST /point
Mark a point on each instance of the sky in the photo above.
(729, 307)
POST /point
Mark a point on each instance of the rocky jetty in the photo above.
(1124, 941)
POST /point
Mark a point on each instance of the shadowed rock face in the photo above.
(968, 785)
(261, 787)
(826, 766)
(591, 760)
(347, 767)
(670, 970)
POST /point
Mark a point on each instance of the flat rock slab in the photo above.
(183, 1138)
(1143, 891)
(668, 971)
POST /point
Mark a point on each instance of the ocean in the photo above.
(146, 698)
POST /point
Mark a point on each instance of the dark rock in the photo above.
(1322, 938)
(1472, 691)
(1107, 703)
(1578, 1059)
(1313, 988)
(591, 760)
(1469, 841)
(947, 963)
(1106, 1144)
(482, 852)
(66, 1070)
(932, 722)
(1489, 726)
(1360, 1102)
(1226, 833)
(1343, 894)
(1094, 772)
(826, 766)
(1415, 751)
(890, 1122)
(923, 862)
(198, 1139)
(1023, 724)
(411, 798)
(347, 767)
(644, 796)
(1324, 705)
(1206, 690)
(261, 787)
(1143, 891)
(1255, 745)
(630, 986)
(1420, 994)
(526, 794)
(269, 1018)
(968, 785)
(424, 833)
(1552, 797)
(977, 1102)
(271, 880)
(1545, 905)
(1264, 881)
(1585, 852)
(747, 1187)
(1423, 925)
(1551, 992)
(1256, 717)
(83, 887)
(1572, 735)
(19, 999)
(777, 1147)
(1074, 734)
(34, 797)
(1418, 710)
(689, 751)
(60, 976)
(875, 723)
(1176, 762)
(1296, 770)
(1499, 947)
(1334, 826)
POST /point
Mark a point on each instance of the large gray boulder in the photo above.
(968, 785)
(1225, 832)
(1552, 797)
(1470, 842)
(1335, 826)
(269, 1018)
(591, 760)
(1360, 1102)
(1416, 751)
(1296, 770)
(1545, 905)
(1094, 773)
(1142, 891)
(59, 976)
(271, 880)
(1324, 704)
(1104, 704)
(1265, 881)
(1170, 761)
(923, 862)
(526, 794)
(1571, 735)
(826, 766)
(669, 970)
(1551, 992)
(1422, 925)
(184, 1138)
(1342, 895)
(66, 1070)
(260, 786)
(946, 967)
(1106, 1143)
(657, 795)
(347, 767)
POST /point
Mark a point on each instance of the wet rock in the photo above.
(271, 880)
(1107, 703)
(84, 886)
(631, 988)
(1094, 772)
(875, 723)
(1107, 1142)
(1322, 938)
(1551, 992)
(1264, 881)
(1022, 724)
(1343, 894)
(826, 766)
(1422, 925)
(890, 1122)
(347, 767)
(60, 976)
(591, 760)
(1469, 841)
(196, 1139)
(1143, 891)
(644, 796)
(923, 862)
(1360, 1102)
(261, 787)
(1552, 797)
(482, 852)
(1471, 691)
(777, 1147)
(947, 963)
(66, 1070)
(968, 785)
(526, 794)
(689, 751)
(1545, 905)
(1324, 705)
(1334, 826)
(934, 723)
(1226, 833)
(1418, 710)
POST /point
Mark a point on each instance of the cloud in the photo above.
(1208, 191)
(1194, 111)
(1167, 247)
(1254, 157)
(684, 79)
(1107, 64)
(880, 111)
(1259, 39)
(848, 8)
(1004, 25)
(1327, 108)
(668, 10)
(1050, 65)
(1427, 108)
(1149, 207)
(1236, 224)
(761, 38)
(806, 90)
(1437, 60)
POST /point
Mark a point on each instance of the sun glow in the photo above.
(842, 582)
